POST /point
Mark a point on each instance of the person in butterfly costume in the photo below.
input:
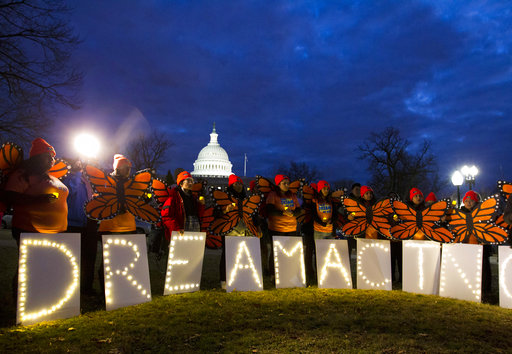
(37, 197)
(182, 211)
(227, 212)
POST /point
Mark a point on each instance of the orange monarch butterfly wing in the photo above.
(136, 199)
(222, 199)
(486, 209)
(381, 211)
(264, 185)
(212, 241)
(105, 204)
(101, 182)
(197, 188)
(505, 188)
(250, 207)
(500, 221)
(60, 168)
(359, 224)
(224, 223)
(295, 186)
(11, 156)
(457, 222)
(490, 233)
(430, 225)
(160, 190)
(407, 227)
(307, 193)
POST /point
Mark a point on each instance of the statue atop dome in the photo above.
(213, 160)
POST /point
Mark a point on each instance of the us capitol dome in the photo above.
(213, 160)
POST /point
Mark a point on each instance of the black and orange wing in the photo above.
(295, 186)
(212, 241)
(430, 225)
(337, 195)
(136, 199)
(161, 191)
(105, 204)
(224, 223)
(407, 227)
(250, 207)
(358, 225)
(505, 188)
(60, 168)
(382, 210)
(11, 156)
(308, 193)
(458, 224)
(500, 221)
(486, 209)
(489, 233)
(101, 182)
(198, 188)
(265, 186)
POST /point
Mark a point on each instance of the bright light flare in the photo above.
(87, 145)
(457, 178)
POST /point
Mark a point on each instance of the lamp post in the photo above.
(470, 174)
(457, 180)
(87, 145)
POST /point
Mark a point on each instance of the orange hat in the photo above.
(365, 189)
(431, 197)
(183, 176)
(234, 178)
(40, 146)
(473, 195)
(321, 184)
(413, 192)
(279, 178)
(120, 161)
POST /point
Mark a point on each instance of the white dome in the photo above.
(213, 160)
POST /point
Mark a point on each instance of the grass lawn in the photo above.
(284, 320)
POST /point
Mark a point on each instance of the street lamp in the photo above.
(470, 174)
(457, 180)
(87, 145)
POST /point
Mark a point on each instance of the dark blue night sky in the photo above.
(300, 80)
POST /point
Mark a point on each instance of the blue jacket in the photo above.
(78, 196)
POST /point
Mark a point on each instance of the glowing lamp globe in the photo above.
(87, 145)
(457, 178)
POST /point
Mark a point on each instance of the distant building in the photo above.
(213, 163)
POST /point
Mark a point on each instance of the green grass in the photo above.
(277, 320)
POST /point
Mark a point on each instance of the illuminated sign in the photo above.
(185, 262)
(421, 266)
(505, 275)
(461, 271)
(125, 262)
(289, 262)
(48, 277)
(373, 264)
(333, 264)
(243, 264)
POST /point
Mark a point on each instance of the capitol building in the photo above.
(212, 161)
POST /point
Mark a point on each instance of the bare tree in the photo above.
(149, 151)
(394, 168)
(298, 170)
(36, 42)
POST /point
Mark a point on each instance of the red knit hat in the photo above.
(234, 178)
(473, 195)
(413, 192)
(120, 161)
(182, 176)
(279, 178)
(431, 197)
(40, 146)
(365, 189)
(321, 184)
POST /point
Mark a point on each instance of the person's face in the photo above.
(237, 186)
(417, 199)
(49, 160)
(368, 195)
(123, 171)
(356, 191)
(325, 191)
(187, 184)
(284, 185)
(469, 203)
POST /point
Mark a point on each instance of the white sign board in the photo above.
(185, 263)
(48, 277)
(243, 264)
(333, 264)
(373, 264)
(505, 275)
(289, 262)
(421, 266)
(461, 271)
(126, 270)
